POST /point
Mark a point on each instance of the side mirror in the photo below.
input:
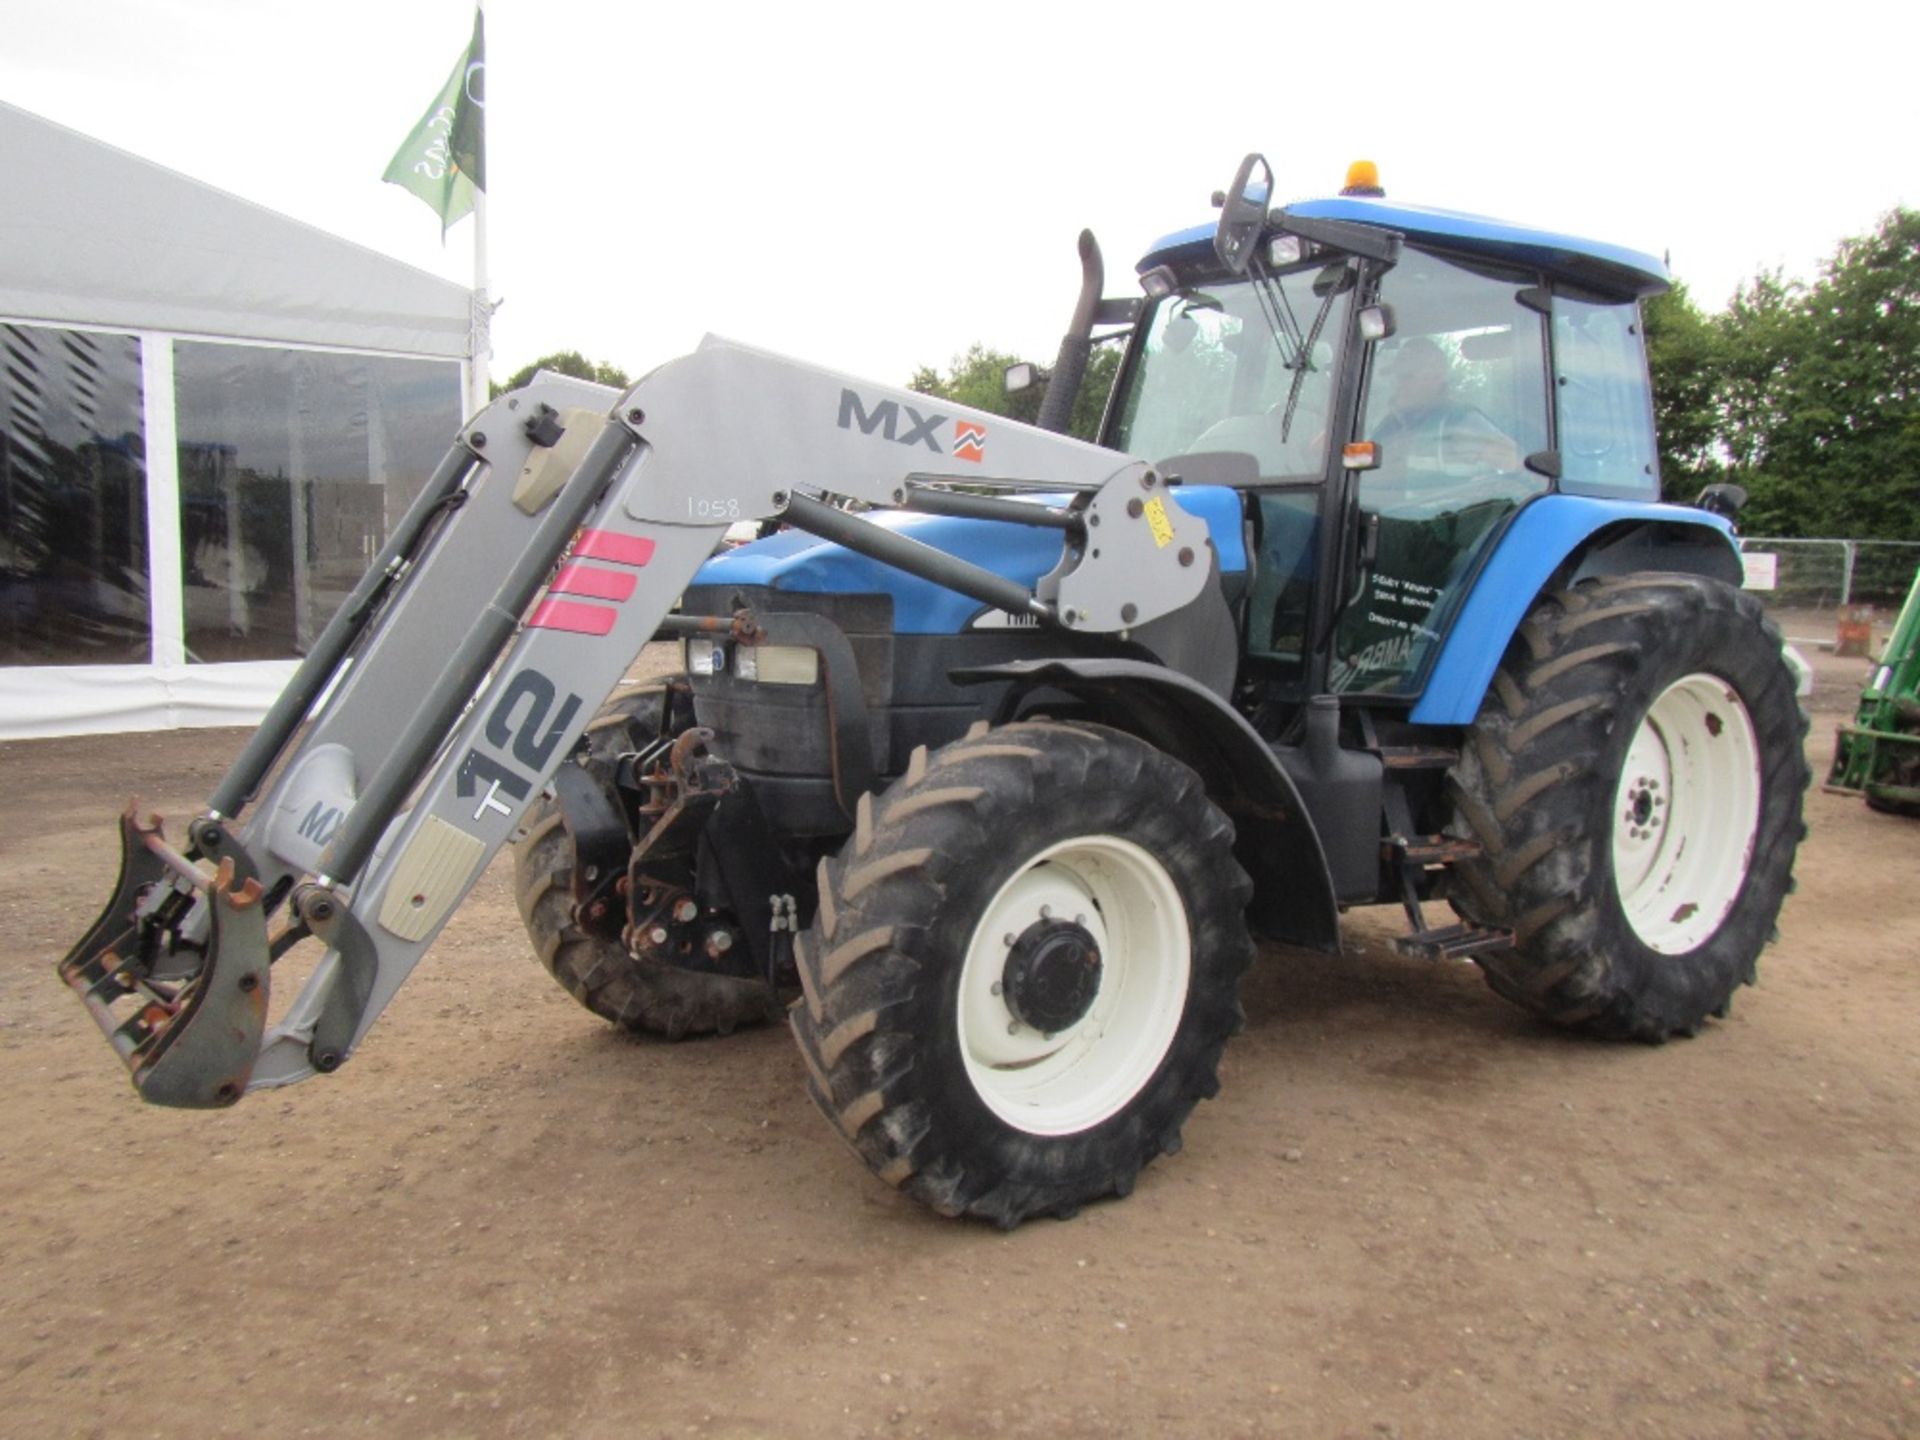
(1243, 214)
(1724, 499)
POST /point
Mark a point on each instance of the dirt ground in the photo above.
(1412, 1211)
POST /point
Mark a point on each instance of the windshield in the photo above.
(1243, 365)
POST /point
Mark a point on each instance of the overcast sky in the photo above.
(875, 186)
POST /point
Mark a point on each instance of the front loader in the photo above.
(993, 757)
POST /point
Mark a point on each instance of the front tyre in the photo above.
(1635, 780)
(1023, 969)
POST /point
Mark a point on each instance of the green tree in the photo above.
(1843, 431)
(978, 379)
(1684, 354)
(1762, 334)
(1819, 391)
(568, 362)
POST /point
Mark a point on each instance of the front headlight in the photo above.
(777, 664)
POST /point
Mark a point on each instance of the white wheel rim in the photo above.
(1686, 813)
(1072, 1080)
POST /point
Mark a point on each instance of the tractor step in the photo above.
(1429, 849)
(1453, 942)
(1417, 757)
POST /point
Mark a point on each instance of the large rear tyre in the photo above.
(644, 996)
(1023, 968)
(1635, 780)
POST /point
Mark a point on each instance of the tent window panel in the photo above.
(293, 465)
(73, 499)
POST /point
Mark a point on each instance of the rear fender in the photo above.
(1556, 541)
(1293, 890)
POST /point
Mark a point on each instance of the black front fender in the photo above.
(1293, 890)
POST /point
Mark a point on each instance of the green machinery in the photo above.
(1878, 756)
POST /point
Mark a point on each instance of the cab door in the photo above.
(1456, 402)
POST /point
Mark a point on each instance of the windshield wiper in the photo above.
(1306, 359)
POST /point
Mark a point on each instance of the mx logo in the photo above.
(886, 419)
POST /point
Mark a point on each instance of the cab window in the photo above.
(1243, 366)
(1605, 400)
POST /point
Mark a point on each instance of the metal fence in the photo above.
(1829, 574)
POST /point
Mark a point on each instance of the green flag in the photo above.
(444, 160)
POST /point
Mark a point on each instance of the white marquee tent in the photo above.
(209, 413)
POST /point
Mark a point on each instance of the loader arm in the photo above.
(548, 548)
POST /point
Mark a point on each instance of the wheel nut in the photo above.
(658, 935)
(686, 910)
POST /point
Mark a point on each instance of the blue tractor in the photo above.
(1451, 646)
(990, 760)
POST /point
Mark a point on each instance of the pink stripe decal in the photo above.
(592, 582)
(610, 545)
(577, 619)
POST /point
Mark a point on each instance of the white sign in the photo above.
(1762, 569)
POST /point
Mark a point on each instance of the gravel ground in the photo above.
(1412, 1211)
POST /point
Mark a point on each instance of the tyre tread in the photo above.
(861, 964)
(1543, 872)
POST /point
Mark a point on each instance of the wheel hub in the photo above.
(1052, 975)
(1091, 938)
(1642, 798)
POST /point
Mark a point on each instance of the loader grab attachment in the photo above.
(190, 1043)
(548, 547)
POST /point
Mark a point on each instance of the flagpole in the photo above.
(480, 337)
(444, 163)
(482, 346)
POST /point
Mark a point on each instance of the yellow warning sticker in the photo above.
(1158, 522)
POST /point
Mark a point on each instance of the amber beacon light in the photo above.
(1363, 178)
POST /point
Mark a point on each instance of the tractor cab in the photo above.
(1389, 385)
